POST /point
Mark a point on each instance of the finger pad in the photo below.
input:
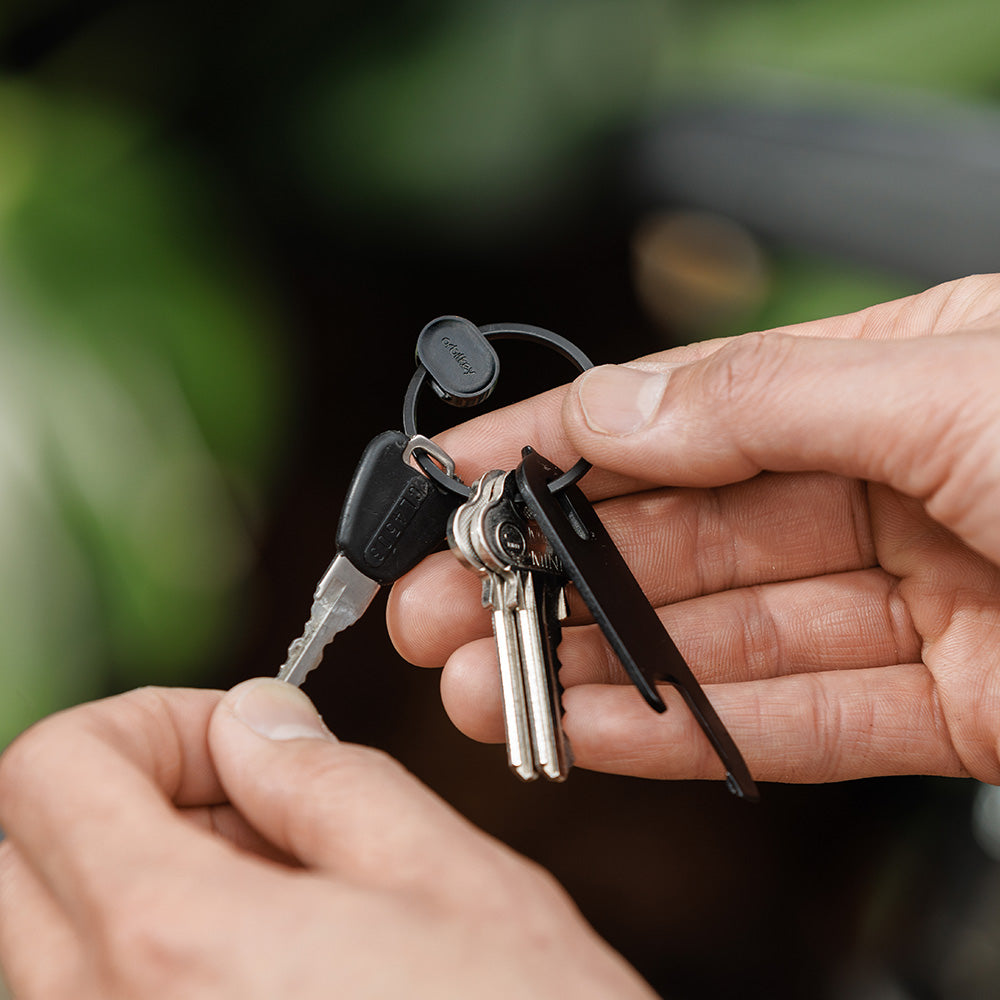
(470, 691)
(434, 609)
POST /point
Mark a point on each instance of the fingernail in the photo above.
(617, 400)
(279, 711)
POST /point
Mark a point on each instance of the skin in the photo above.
(842, 610)
(189, 844)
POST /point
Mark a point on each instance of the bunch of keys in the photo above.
(524, 588)
(527, 532)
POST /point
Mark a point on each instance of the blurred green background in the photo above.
(221, 229)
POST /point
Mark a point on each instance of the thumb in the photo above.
(331, 805)
(921, 415)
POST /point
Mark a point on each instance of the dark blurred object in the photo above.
(911, 191)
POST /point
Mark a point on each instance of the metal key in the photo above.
(392, 517)
(511, 545)
(500, 596)
(540, 630)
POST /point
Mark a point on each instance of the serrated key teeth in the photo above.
(294, 650)
(343, 595)
(562, 605)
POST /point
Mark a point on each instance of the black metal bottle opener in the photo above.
(629, 622)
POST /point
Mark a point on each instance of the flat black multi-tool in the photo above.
(527, 532)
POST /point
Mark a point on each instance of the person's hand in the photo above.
(824, 553)
(171, 843)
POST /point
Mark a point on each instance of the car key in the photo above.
(392, 517)
(615, 599)
(508, 544)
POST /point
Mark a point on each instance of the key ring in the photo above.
(491, 331)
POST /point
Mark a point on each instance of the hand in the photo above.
(194, 844)
(814, 513)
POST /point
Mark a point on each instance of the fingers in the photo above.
(809, 727)
(802, 728)
(87, 796)
(470, 691)
(844, 622)
(907, 414)
(435, 608)
(494, 440)
(841, 622)
(964, 304)
(678, 543)
(41, 952)
(954, 597)
(345, 809)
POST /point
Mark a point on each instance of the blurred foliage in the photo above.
(486, 121)
(921, 45)
(140, 402)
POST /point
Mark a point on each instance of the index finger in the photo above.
(89, 794)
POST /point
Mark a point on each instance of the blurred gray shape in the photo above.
(914, 191)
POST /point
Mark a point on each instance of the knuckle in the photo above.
(504, 883)
(139, 950)
(12, 764)
(760, 639)
(832, 733)
(748, 368)
(31, 759)
(23, 762)
(337, 782)
(353, 773)
(540, 882)
(971, 300)
(139, 710)
(715, 548)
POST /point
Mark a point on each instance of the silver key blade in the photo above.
(516, 719)
(498, 595)
(512, 549)
(342, 597)
(547, 738)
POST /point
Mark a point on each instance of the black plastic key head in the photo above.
(393, 515)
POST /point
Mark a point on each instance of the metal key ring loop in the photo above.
(496, 331)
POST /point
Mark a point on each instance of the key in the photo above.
(459, 538)
(509, 544)
(629, 622)
(500, 596)
(541, 609)
(393, 516)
